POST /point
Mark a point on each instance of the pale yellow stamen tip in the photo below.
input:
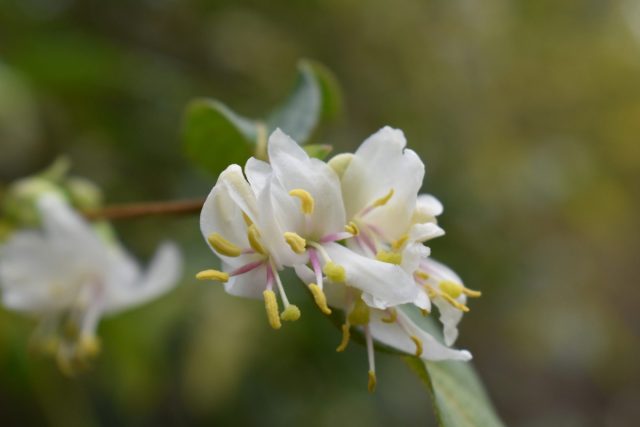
(359, 314)
(398, 244)
(290, 314)
(306, 200)
(254, 239)
(393, 316)
(247, 220)
(390, 257)
(219, 276)
(383, 200)
(271, 306)
(223, 246)
(320, 298)
(346, 335)
(352, 228)
(422, 275)
(297, 243)
(453, 289)
(334, 272)
(471, 293)
(371, 385)
(424, 312)
(418, 344)
(89, 346)
(455, 303)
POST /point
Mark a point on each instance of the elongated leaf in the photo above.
(314, 96)
(458, 396)
(214, 136)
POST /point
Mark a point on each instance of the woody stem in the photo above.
(135, 210)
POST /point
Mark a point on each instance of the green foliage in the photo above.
(319, 151)
(215, 136)
(457, 394)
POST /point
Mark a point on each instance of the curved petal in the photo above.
(248, 285)
(424, 232)
(258, 173)
(161, 276)
(393, 335)
(449, 317)
(379, 165)
(293, 169)
(428, 207)
(383, 284)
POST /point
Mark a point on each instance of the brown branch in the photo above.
(135, 210)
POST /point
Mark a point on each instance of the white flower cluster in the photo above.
(69, 275)
(354, 231)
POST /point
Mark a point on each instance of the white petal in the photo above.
(385, 284)
(380, 164)
(429, 206)
(394, 336)
(293, 169)
(423, 301)
(161, 276)
(449, 317)
(258, 173)
(248, 285)
(305, 274)
(239, 190)
(424, 232)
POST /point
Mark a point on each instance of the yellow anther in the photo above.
(471, 293)
(220, 276)
(352, 228)
(422, 275)
(455, 303)
(383, 200)
(306, 200)
(320, 298)
(346, 335)
(431, 293)
(247, 220)
(290, 314)
(89, 346)
(418, 344)
(390, 257)
(334, 272)
(223, 246)
(254, 239)
(271, 306)
(424, 312)
(453, 289)
(359, 314)
(400, 242)
(393, 316)
(297, 243)
(340, 163)
(371, 384)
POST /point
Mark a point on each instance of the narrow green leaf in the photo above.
(319, 151)
(458, 396)
(315, 96)
(214, 136)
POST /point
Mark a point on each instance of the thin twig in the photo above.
(135, 210)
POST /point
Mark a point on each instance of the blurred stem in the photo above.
(135, 210)
(261, 141)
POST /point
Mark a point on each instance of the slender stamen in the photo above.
(297, 243)
(416, 341)
(371, 385)
(346, 335)
(253, 235)
(223, 246)
(306, 200)
(315, 264)
(352, 228)
(335, 237)
(471, 293)
(393, 316)
(321, 250)
(377, 203)
(247, 268)
(320, 298)
(389, 257)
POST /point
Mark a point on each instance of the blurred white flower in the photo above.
(68, 277)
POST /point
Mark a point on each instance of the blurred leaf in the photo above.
(314, 96)
(319, 151)
(214, 136)
(458, 396)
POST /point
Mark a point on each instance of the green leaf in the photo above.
(458, 396)
(315, 96)
(214, 136)
(319, 151)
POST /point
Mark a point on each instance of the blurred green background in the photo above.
(526, 113)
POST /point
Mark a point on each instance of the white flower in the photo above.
(284, 214)
(302, 200)
(68, 277)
